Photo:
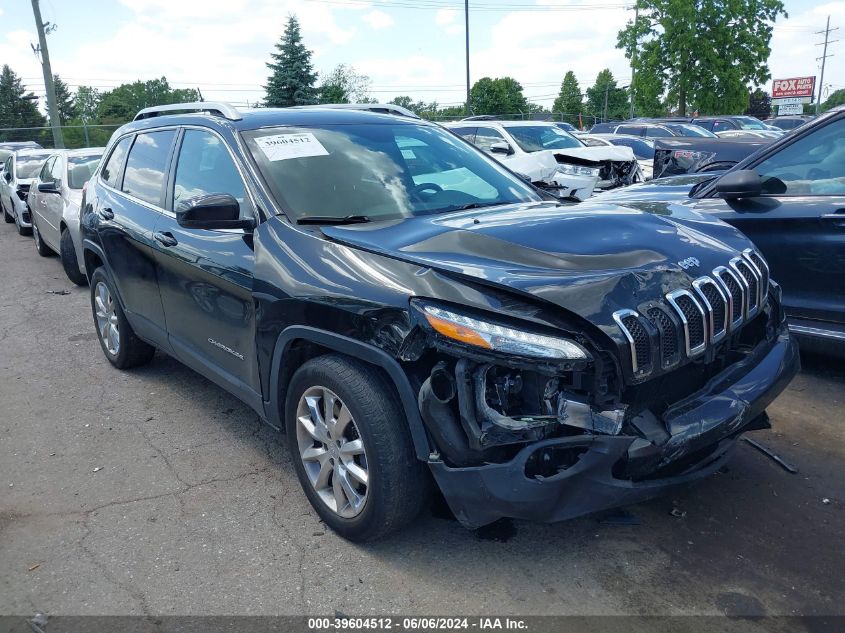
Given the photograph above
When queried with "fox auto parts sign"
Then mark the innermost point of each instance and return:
(794, 87)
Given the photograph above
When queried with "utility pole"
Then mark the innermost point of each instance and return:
(824, 57)
(52, 108)
(634, 54)
(466, 28)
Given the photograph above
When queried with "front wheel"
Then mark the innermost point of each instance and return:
(6, 215)
(120, 344)
(40, 246)
(69, 261)
(352, 450)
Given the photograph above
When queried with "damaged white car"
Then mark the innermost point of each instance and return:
(551, 158)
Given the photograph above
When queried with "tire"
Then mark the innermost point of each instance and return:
(397, 485)
(69, 261)
(40, 246)
(6, 216)
(130, 351)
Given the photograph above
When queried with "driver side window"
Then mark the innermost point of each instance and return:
(44, 175)
(486, 137)
(811, 166)
(205, 166)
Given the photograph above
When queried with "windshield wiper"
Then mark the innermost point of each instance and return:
(328, 219)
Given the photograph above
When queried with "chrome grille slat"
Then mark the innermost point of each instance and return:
(669, 347)
(749, 278)
(692, 317)
(735, 291)
(626, 319)
(758, 264)
(715, 303)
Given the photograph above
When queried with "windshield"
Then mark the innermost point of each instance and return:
(379, 171)
(684, 129)
(643, 150)
(535, 138)
(750, 123)
(28, 166)
(80, 169)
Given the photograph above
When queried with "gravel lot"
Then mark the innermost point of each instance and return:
(155, 492)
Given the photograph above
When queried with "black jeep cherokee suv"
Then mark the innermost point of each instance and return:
(408, 310)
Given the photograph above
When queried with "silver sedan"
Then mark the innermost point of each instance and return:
(54, 199)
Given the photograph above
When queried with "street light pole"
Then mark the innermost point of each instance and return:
(466, 28)
(52, 108)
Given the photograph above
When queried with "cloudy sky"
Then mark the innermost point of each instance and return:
(413, 47)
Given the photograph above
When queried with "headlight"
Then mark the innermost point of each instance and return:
(578, 170)
(500, 338)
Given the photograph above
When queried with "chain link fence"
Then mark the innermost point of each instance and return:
(74, 136)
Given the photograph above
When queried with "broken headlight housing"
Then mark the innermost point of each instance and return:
(497, 337)
(578, 170)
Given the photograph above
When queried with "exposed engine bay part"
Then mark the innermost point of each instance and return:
(474, 410)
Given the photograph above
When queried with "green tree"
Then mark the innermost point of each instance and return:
(18, 109)
(568, 102)
(501, 96)
(703, 52)
(345, 85)
(64, 100)
(292, 80)
(835, 98)
(605, 100)
(759, 104)
(87, 102)
(122, 103)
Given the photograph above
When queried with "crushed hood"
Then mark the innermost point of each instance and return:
(598, 154)
(591, 258)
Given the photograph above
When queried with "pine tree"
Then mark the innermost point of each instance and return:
(18, 109)
(64, 100)
(605, 100)
(293, 78)
(568, 101)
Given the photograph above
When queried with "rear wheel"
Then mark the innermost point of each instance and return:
(119, 342)
(352, 450)
(40, 246)
(69, 261)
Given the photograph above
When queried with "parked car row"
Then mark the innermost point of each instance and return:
(412, 313)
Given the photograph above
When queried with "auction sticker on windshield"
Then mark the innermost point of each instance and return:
(285, 146)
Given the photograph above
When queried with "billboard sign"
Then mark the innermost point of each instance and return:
(793, 87)
(796, 108)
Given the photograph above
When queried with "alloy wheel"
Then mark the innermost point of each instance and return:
(332, 451)
(106, 314)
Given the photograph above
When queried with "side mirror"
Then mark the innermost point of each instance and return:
(744, 183)
(48, 187)
(501, 148)
(212, 211)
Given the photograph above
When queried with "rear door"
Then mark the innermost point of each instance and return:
(205, 276)
(799, 222)
(132, 200)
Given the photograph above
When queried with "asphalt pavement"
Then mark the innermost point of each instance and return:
(155, 492)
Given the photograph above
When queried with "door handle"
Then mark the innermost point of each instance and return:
(106, 213)
(165, 239)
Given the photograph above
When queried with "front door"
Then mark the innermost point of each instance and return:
(205, 276)
(799, 221)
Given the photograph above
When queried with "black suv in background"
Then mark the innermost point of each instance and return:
(404, 307)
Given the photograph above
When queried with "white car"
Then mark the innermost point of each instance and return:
(643, 148)
(19, 170)
(54, 199)
(551, 158)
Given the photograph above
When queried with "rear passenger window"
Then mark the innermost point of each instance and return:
(147, 165)
(112, 167)
(205, 166)
(636, 130)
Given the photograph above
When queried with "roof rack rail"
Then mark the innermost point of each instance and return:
(212, 107)
(481, 117)
(381, 108)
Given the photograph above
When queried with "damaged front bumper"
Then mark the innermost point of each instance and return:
(565, 477)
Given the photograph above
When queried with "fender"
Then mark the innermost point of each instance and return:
(361, 351)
